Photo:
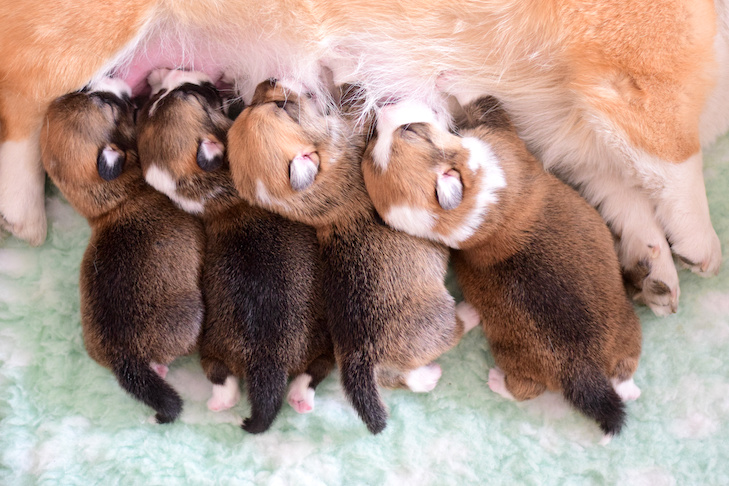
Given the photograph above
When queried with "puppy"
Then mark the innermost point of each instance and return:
(390, 315)
(531, 255)
(141, 304)
(261, 278)
(614, 97)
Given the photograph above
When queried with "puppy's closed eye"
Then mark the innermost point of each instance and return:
(449, 189)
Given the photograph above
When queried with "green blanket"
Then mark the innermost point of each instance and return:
(64, 419)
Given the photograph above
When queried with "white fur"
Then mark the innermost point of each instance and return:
(423, 379)
(468, 315)
(391, 118)
(111, 85)
(22, 197)
(627, 389)
(268, 200)
(225, 396)
(301, 396)
(497, 383)
(164, 183)
(302, 171)
(414, 221)
(169, 79)
(715, 118)
(483, 162)
(449, 190)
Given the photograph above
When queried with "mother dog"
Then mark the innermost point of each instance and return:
(616, 97)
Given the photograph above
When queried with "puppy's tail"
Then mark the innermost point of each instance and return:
(140, 381)
(587, 388)
(360, 385)
(266, 387)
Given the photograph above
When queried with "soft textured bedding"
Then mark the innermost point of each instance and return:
(64, 419)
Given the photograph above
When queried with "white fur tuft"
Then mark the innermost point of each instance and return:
(164, 183)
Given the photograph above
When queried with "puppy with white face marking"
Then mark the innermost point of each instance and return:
(390, 315)
(531, 255)
(141, 304)
(261, 276)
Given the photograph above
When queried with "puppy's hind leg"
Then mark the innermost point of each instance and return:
(226, 391)
(513, 387)
(302, 388)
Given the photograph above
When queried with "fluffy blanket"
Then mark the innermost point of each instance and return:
(64, 419)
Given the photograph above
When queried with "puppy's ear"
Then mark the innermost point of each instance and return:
(449, 189)
(110, 162)
(210, 153)
(303, 170)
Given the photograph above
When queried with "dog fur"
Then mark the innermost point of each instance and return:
(390, 315)
(262, 275)
(614, 97)
(141, 304)
(532, 256)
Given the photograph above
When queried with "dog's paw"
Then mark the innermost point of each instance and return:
(701, 254)
(423, 379)
(468, 315)
(497, 383)
(627, 390)
(225, 396)
(301, 396)
(655, 280)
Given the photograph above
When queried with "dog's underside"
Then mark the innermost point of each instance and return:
(616, 98)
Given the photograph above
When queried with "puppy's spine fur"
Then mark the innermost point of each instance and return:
(587, 387)
(360, 385)
(140, 381)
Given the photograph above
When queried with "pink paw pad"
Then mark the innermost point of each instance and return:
(301, 396)
(225, 396)
(497, 383)
(160, 369)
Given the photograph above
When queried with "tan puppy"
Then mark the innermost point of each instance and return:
(141, 304)
(614, 97)
(389, 312)
(262, 276)
(531, 255)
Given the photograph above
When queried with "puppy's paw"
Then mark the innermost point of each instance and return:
(225, 396)
(300, 396)
(423, 379)
(160, 369)
(497, 383)
(627, 390)
(655, 280)
(468, 315)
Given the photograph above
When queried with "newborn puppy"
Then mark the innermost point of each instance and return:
(141, 304)
(389, 312)
(262, 276)
(531, 255)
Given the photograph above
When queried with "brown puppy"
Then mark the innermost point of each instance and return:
(141, 304)
(389, 312)
(262, 276)
(531, 255)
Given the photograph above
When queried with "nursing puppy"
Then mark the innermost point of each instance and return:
(531, 255)
(390, 315)
(141, 304)
(261, 277)
(615, 97)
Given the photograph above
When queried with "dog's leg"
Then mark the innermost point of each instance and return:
(643, 251)
(22, 180)
(682, 209)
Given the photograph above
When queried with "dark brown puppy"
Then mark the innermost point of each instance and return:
(262, 276)
(531, 255)
(141, 304)
(389, 311)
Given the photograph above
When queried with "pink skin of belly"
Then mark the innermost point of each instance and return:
(171, 55)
